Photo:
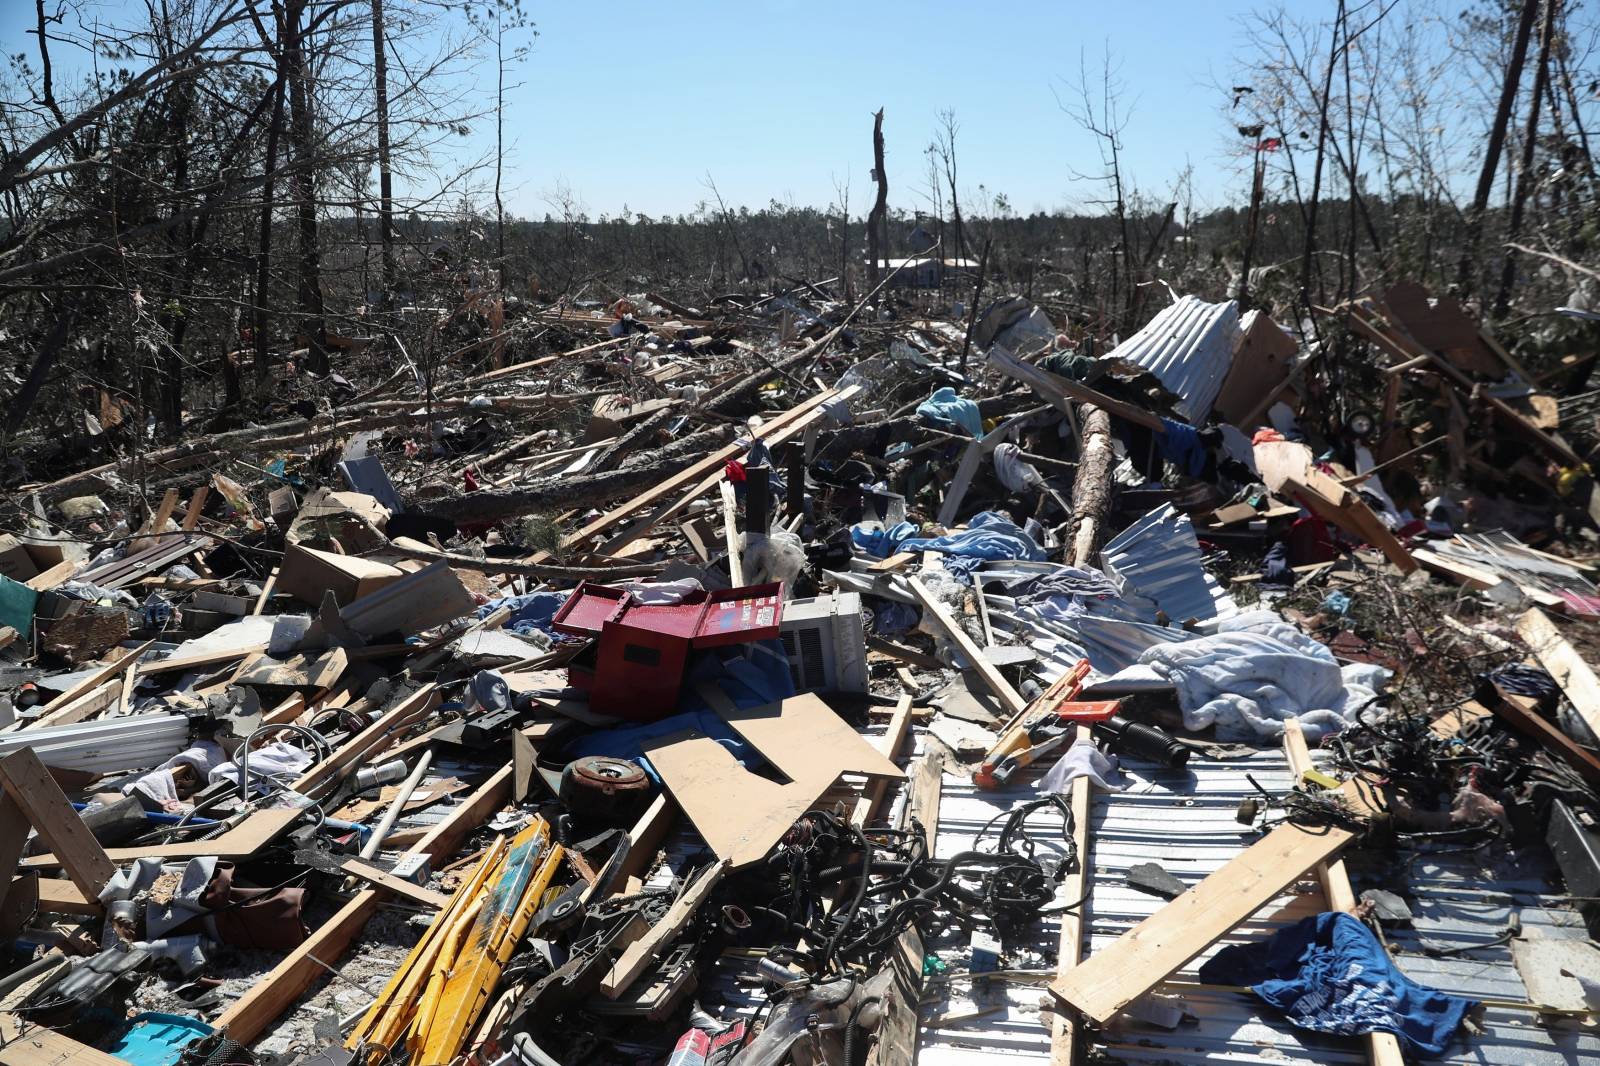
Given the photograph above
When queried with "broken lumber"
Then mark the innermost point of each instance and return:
(1383, 1049)
(650, 947)
(1160, 945)
(1576, 678)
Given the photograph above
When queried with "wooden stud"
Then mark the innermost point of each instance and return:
(28, 782)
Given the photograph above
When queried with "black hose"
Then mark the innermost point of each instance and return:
(850, 1028)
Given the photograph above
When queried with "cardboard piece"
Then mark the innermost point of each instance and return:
(800, 737)
(307, 573)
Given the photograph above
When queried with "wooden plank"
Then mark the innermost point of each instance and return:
(60, 896)
(377, 736)
(397, 885)
(646, 838)
(1518, 712)
(14, 830)
(85, 706)
(977, 661)
(52, 577)
(923, 792)
(28, 782)
(252, 1013)
(893, 562)
(199, 660)
(197, 503)
(901, 1007)
(730, 532)
(956, 491)
(266, 591)
(872, 796)
(803, 417)
(94, 680)
(240, 842)
(650, 947)
(1576, 678)
(711, 466)
(1383, 1049)
(1160, 945)
(1064, 1031)
(46, 1047)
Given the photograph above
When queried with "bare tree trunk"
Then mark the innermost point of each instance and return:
(877, 221)
(1530, 137)
(258, 320)
(303, 134)
(1466, 270)
(1252, 225)
(380, 75)
(1309, 256)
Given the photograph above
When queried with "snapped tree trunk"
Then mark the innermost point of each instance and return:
(263, 283)
(1091, 490)
(877, 221)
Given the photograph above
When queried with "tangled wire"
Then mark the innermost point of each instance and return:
(889, 881)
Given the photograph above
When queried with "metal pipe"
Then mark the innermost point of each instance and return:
(392, 815)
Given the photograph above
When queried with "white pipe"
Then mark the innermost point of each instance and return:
(392, 815)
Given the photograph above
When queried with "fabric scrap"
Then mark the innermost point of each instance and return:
(1329, 974)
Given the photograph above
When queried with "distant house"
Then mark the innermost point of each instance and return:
(926, 272)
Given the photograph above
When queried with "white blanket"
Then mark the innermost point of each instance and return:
(1259, 671)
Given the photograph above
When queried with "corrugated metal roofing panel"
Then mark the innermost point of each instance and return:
(1189, 348)
(1184, 820)
(1158, 556)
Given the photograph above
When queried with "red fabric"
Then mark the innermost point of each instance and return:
(1266, 436)
(735, 471)
(1310, 542)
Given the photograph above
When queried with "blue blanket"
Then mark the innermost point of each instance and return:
(1330, 974)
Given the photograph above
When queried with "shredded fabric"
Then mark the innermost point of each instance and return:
(1328, 973)
(1257, 673)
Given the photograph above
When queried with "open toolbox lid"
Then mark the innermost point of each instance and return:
(731, 616)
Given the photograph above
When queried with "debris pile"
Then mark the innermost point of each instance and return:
(793, 681)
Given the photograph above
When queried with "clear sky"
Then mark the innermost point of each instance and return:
(632, 103)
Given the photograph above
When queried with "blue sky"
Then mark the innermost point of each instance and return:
(629, 103)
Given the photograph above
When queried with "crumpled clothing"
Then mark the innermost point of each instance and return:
(529, 614)
(662, 592)
(879, 541)
(1329, 974)
(946, 406)
(269, 760)
(1258, 672)
(1015, 473)
(1084, 759)
(159, 784)
(1180, 445)
(1525, 680)
(1067, 592)
(988, 536)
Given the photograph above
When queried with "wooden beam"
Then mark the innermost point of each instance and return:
(1160, 945)
(28, 782)
(397, 885)
(1383, 1049)
(46, 1047)
(650, 947)
(872, 796)
(374, 738)
(1518, 712)
(251, 1014)
(730, 532)
(1574, 675)
(1064, 1032)
(94, 680)
(941, 618)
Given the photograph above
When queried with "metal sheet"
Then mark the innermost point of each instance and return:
(1159, 557)
(1189, 348)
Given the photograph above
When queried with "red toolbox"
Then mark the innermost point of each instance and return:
(641, 649)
